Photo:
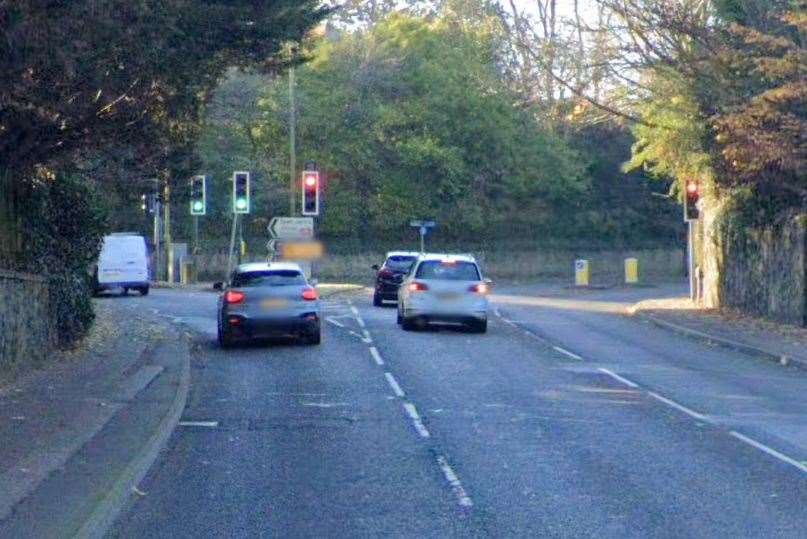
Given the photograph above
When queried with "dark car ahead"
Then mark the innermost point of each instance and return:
(389, 276)
(268, 300)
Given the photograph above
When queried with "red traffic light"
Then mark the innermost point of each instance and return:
(310, 180)
(692, 187)
(692, 195)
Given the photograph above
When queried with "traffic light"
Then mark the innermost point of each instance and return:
(241, 192)
(311, 192)
(148, 203)
(198, 195)
(692, 193)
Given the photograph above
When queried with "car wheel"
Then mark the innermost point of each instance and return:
(377, 301)
(224, 340)
(479, 326)
(314, 338)
(144, 290)
(408, 324)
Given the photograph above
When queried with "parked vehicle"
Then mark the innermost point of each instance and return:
(444, 288)
(389, 276)
(123, 263)
(265, 300)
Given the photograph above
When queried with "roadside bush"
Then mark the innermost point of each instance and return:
(64, 223)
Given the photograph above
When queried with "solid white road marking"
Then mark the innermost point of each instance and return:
(567, 353)
(413, 414)
(394, 384)
(770, 451)
(335, 322)
(208, 424)
(680, 407)
(615, 376)
(376, 355)
(448, 472)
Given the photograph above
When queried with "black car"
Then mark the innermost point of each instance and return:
(389, 276)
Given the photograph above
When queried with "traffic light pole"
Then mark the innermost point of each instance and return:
(232, 248)
(693, 284)
(169, 252)
(292, 138)
(195, 234)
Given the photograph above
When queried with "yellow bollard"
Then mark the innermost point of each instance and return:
(581, 272)
(631, 271)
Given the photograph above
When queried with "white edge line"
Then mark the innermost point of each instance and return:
(615, 376)
(335, 322)
(448, 472)
(209, 424)
(376, 355)
(770, 451)
(396, 388)
(413, 414)
(679, 407)
(567, 353)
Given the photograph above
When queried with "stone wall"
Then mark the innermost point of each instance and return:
(759, 271)
(26, 331)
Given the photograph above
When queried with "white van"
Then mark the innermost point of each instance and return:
(123, 263)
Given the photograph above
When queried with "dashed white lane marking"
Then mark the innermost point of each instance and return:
(367, 338)
(376, 355)
(416, 421)
(394, 384)
(354, 310)
(497, 312)
(360, 320)
(207, 424)
(335, 322)
(615, 376)
(448, 472)
(680, 407)
(772, 452)
(567, 353)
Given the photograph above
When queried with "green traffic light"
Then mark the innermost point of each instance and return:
(198, 206)
(241, 204)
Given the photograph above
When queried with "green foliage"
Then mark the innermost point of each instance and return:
(411, 118)
(65, 222)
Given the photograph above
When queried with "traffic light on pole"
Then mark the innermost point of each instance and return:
(241, 192)
(692, 193)
(198, 195)
(311, 192)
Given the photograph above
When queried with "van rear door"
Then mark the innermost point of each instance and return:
(123, 260)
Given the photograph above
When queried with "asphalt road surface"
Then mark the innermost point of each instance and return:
(566, 419)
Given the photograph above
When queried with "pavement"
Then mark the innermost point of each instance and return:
(779, 342)
(567, 419)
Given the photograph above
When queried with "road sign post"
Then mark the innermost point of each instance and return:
(424, 227)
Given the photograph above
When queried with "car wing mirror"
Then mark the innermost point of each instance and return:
(488, 282)
(375, 267)
(218, 285)
(314, 282)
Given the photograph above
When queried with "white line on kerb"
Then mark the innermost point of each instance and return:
(394, 385)
(680, 407)
(208, 424)
(413, 414)
(615, 376)
(376, 355)
(770, 451)
(567, 353)
(448, 472)
(335, 322)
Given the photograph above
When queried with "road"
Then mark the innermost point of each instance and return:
(566, 419)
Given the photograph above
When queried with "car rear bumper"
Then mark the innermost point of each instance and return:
(122, 284)
(387, 290)
(459, 317)
(256, 328)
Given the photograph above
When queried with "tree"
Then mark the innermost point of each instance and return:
(411, 118)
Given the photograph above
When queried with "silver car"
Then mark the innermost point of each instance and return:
(444, 288)
(268, 300)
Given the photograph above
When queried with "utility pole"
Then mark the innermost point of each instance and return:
(169, 252)
(292, 135)
(157, 217)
